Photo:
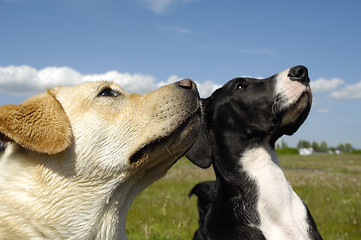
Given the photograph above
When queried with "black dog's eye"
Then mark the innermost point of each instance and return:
(108, 92)
(241, 86)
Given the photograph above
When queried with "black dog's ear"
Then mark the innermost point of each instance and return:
(201, 153)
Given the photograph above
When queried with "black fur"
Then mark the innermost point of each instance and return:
(205, 192)
(241, 115)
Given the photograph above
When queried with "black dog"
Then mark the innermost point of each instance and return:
(205, 191)
(243, 120)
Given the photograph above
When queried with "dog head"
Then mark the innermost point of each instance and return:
(254, 110)
(104, 127)
(78, 156)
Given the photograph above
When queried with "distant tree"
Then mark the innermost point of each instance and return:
(323, 147)
(341, 147)
(348, 147)
(320, 147)
(284, 145)
(316, 146)
(303, 144)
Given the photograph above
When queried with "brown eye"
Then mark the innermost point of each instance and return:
(241, 86)
(108, 92)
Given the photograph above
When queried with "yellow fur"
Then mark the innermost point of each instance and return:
(67, 172)
(39, 124)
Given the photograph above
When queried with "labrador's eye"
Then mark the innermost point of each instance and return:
(108, 92)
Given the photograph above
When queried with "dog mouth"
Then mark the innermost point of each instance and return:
(149, 148)
(296, 109)
(291, 118)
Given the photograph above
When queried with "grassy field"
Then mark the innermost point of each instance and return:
(329, 184)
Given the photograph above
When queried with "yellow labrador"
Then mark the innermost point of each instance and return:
(78, 156)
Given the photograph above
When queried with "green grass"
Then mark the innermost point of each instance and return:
(356, 151)
(164, 211)
(329, 184)
(287, 151)
(331, 187)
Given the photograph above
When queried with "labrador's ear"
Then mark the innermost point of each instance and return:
(201, 152)
(39, 124)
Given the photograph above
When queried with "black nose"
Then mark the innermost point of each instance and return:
(300, 74)
(188, 84)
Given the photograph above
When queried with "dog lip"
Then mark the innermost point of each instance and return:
(283, 110)
(277, 125)
(135, 157)
(305, 94)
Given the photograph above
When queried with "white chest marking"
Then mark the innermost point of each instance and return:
(282, 213)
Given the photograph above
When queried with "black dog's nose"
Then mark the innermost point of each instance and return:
(187, 83)
(300, 74)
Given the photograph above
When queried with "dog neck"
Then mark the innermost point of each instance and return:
(66, 206)
(260, 193)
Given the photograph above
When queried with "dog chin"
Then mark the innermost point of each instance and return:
(296, 114)
(171, 147)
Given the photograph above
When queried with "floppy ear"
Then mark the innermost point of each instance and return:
(201, 152)
(39, 124)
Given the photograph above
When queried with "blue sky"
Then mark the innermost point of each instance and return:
(146, 43)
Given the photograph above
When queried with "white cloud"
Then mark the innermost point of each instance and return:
(333, 87)
(179, 30)
(161, 6)
(19, 80)
(207, 88)
(323, 110)
(325, 85)
(158, 6)
(348, 92)
(27, 81)
(171, 79)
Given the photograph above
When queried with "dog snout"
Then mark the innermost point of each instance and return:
(187, 84)
(300, 74)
